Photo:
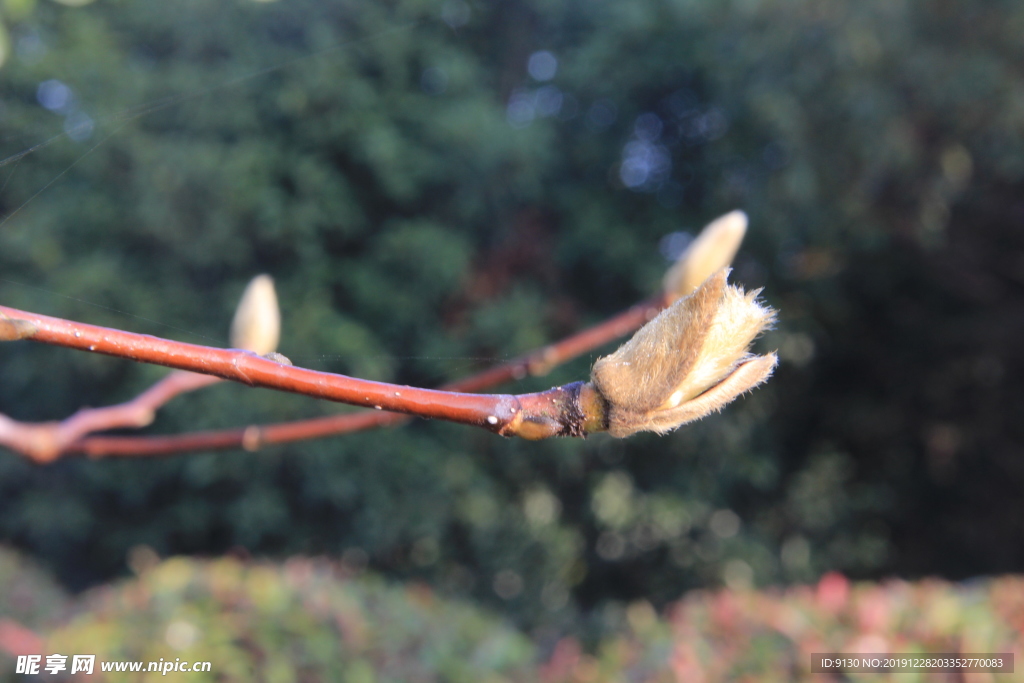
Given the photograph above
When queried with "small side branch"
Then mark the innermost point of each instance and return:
(46, 441)
(501, 414)
(542, 361)
(253, 437)
(572, 410)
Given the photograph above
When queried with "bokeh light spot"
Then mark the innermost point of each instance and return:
(54, 95)
(542, 65)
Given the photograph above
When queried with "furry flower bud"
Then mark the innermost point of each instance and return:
(257, 323)
(713, 249)
(688, 362)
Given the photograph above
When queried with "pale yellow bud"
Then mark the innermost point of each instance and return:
(257, 323)
(713, 249)
(690, 361)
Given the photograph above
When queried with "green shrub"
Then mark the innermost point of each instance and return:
(29, 599)
(310, 620)
(300, 621)
(770, 635)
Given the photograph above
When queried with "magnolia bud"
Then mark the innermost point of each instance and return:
(713, 249)
(257, 323)
(689, 361)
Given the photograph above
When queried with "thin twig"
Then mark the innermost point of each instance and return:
(46, 441)
(542, 361)
(253, 437)
(528, 415)
(713, 249)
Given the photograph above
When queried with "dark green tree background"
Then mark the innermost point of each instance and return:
(429, 203)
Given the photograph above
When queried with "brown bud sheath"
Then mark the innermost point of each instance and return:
(689, 361)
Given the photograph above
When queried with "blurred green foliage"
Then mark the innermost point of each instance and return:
(428, 207)
(31, 602)
(770, 635)
(313, 620)
(294, 623)
(31, 597)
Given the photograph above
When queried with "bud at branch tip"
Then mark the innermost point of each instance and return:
(688, 362)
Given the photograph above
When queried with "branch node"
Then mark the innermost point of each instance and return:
(569, 410)
(13, 329)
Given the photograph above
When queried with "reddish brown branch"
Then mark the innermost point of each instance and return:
(250, 438)
(539, 362)
(46, 441)
(254, 437)
(502, 414)
(712, 250)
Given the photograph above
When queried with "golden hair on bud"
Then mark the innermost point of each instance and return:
(689, 361)
(713, 249)
(257, 323)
